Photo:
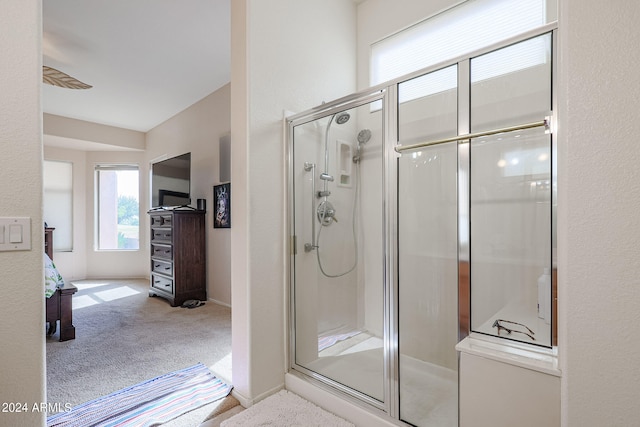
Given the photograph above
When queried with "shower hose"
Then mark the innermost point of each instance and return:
(353, 231)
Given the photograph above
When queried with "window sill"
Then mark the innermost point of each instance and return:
(541, 360)
(117, 250)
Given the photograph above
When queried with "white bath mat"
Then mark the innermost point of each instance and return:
(285, 409)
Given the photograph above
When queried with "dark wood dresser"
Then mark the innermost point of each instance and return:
(59, 305)
(178, 255)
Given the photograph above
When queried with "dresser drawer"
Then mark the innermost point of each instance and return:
(162, 283)
(162, 267)
(161, 234)
(161, 251)
(161, 220)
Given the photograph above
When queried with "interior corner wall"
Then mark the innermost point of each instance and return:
(599, 201)
(22, 353)
(198, 130)
(290, 56)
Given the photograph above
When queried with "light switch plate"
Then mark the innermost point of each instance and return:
(18, 230)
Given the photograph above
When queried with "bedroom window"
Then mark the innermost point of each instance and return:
(117, 207)
(58, 202)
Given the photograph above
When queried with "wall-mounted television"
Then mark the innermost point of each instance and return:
(171, 182)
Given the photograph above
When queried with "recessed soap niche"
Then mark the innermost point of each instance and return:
(345, 161)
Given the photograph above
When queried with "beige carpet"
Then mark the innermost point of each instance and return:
(124, 337)
(228, 407)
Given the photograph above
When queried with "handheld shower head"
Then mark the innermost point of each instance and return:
(364, 136)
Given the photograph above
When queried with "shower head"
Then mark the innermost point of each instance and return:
(364, 136)
(342, 118)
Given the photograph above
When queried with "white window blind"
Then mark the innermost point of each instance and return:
(461, 30)
(58, 202)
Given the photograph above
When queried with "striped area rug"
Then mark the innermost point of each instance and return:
(149, 403)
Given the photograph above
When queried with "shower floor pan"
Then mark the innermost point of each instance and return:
(429, 392)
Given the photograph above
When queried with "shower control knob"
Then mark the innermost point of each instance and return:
(326, 213)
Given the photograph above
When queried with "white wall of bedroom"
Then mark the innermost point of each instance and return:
(197, 130)
(22, 368)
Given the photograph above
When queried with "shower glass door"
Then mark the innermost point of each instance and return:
(427, 251)
(337, 264)
(511, 194)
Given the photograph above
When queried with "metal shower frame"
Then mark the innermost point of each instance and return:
(387, 93)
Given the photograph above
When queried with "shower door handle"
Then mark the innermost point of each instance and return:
(311, 167)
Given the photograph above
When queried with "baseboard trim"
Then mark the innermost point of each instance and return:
(215, 301)
(247, 402)
(244, 401)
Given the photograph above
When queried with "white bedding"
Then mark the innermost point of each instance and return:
(52, 278)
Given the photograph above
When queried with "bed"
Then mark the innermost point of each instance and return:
(58, 296)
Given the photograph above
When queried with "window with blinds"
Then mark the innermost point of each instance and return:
(58, 202)
(468, 27)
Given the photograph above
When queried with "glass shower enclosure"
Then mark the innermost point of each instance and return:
(338, 270)
(374, 259)
(421, 212)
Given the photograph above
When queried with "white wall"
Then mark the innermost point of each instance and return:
(22, 373)
(286, 55)
(198, 130)
(495, 394)
(599, 201)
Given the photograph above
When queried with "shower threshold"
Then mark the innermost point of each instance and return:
(430, 391)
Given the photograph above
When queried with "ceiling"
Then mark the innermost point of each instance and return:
(147, 60)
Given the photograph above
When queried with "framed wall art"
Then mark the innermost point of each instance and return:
(222, 205)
